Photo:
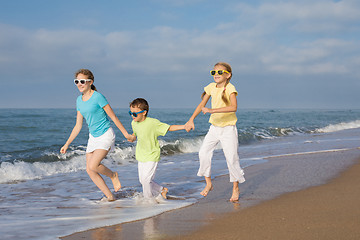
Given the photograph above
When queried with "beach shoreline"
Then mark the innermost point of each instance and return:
(328, 211)
(267, 182)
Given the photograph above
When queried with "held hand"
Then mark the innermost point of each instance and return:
(131, 138)
(189, 125)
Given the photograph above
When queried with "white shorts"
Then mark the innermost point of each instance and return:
(105, 141)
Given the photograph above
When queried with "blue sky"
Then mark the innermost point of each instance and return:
(284, 54)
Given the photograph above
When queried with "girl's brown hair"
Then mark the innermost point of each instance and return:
(227, 68)
(89, 74)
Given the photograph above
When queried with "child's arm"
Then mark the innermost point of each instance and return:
(176, 128)
(190, 124)
(74, 132)
(231, 108)
(110, 112)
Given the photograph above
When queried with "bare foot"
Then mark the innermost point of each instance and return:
(108, 199)
(164, 192)
(111, 199)
(116, 182)
(206, 190)
(235, 195)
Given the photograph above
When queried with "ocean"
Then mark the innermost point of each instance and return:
(46, 195)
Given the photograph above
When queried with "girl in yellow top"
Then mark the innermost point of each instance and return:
(223, 129)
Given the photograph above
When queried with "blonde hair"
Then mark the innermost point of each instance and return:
(227, 68)
(89, 74)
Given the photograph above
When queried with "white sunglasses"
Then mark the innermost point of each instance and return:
(82, 81)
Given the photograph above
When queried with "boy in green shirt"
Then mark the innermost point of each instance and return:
(147, 130)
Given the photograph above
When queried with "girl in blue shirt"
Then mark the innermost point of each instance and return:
(94, 107)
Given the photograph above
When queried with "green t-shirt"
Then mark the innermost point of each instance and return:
(147, 132)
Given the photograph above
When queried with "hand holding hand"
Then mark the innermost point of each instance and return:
(131, 138)
(189, 125)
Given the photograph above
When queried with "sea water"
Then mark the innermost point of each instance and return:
(45, 194)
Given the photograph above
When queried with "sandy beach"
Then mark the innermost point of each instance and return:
(310, 196)
(329, 211)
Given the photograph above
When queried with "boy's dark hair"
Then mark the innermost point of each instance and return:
(140, 103)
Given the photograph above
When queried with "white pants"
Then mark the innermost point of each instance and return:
(228, 137)
(146, 177)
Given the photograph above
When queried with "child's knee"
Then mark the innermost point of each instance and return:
(91, 169)
(145, 181)
(203, 153)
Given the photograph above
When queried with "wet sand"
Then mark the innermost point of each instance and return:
(273, 205)
(329, 211)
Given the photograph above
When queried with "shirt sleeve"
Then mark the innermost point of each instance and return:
(231, 89)
(102, 100)
(77, 103)
(161, 128)
(207, 89)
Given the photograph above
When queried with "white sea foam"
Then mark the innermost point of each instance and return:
(339, 127)
(74, 160)
(191, 145)
(309, 152)
(22, 171)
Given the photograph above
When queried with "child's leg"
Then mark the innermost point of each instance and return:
(94, 168)
(164, 191)
(206, 152)
(156, 188)
(229, 143)
(235, 192)
(205, 156)
(208, 187)
(146, 175)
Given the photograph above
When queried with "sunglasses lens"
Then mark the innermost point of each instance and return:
(132, 114)
(82, 81)
(220, 72)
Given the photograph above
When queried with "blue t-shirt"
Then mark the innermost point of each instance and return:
(94, 114)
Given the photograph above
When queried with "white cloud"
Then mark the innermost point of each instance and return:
(323, 56)
(267, 43)
(250, 42)
(302, 16)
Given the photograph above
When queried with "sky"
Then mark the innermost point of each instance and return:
(284, 54)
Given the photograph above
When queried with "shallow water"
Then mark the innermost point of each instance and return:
(46, 195)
